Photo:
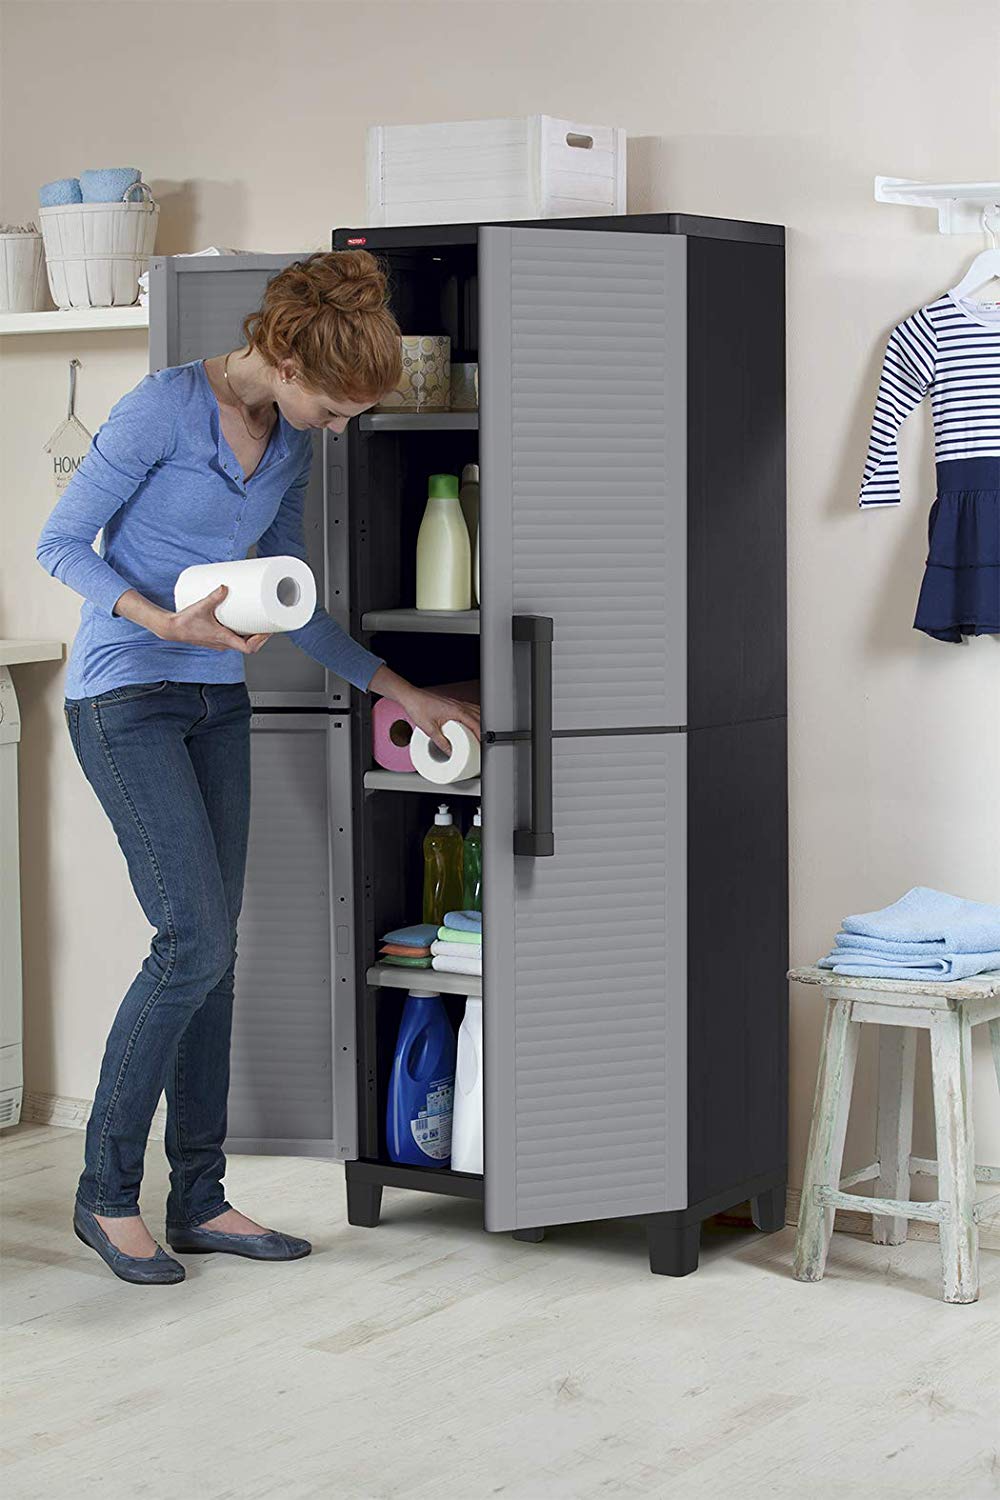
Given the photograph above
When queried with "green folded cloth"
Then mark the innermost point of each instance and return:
(453, 935)
(405, 963)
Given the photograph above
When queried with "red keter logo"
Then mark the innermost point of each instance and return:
(361, 240)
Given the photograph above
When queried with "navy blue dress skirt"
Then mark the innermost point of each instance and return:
(960, 594)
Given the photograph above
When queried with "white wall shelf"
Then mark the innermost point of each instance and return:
(959, 205)
(76, 320)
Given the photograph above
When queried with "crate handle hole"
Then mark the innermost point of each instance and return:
(582, 142)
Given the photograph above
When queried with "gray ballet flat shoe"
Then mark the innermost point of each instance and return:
(142, 1270)
(269, 1246)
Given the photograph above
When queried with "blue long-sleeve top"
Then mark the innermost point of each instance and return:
(162, 482)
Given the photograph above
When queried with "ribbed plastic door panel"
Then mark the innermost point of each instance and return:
(196, 309)
(293, 1086)
(583, 360)
(585, 985)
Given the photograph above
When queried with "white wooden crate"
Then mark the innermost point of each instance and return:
(467, 171)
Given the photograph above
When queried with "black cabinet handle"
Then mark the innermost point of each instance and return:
(539, 839)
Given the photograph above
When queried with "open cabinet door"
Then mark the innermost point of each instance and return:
(583, 533)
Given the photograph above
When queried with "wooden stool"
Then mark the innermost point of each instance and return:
(948, 1012)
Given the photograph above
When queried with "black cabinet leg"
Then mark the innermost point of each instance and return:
(530, 1236)
(364, 1203)
(673, 1246)
(768, 1209)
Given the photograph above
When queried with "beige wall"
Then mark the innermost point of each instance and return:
(249, 122)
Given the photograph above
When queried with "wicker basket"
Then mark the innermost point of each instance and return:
(22, 272)
(96, 252)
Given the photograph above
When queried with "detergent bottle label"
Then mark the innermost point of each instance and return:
(431, 1129)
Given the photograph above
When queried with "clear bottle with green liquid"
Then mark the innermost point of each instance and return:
(472, 868)
(443, 853)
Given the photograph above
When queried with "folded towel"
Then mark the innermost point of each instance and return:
(853, 942)
(459, 935)
(457, 950)
(420, 935)
(936, 968)
(464, 921)
(406, 963)
(445, 964)
(108, 184)
(63, 190)
(402, 951)
(934, 918)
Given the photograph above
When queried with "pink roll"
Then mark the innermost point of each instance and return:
(391, 731)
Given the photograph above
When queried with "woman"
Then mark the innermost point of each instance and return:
(197, 464)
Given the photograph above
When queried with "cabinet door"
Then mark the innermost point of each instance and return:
(293, 1087)
(196, 309)
(585, 985)
(583, 358)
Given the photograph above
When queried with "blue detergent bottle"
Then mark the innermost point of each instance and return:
(422, 1084)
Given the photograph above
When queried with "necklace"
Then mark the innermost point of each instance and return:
(257, 436)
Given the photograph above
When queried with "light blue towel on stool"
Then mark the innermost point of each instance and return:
(941, 922)
(936, 969)
(63, 190)
(108, 184)
(464, 921)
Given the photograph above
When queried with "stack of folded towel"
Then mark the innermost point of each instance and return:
(926, 934)
(458, 947)
(408, 947)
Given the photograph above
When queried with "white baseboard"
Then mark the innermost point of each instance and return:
(72, 1114)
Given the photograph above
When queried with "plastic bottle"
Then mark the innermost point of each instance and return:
(422, 1084)
(444, 554)
(443, 858)
(472, 865)
(469, 498)
(467, 1125)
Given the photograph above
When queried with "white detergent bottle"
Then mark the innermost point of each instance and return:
(467, 1122)
(444, 555)
(469, 497)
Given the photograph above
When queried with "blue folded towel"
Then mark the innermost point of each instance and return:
(63, 190)
(936, 968)
(464, 921)
(420, 935)
(108, 184)
(940, 922)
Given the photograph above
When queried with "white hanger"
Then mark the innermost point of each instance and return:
(986, 266)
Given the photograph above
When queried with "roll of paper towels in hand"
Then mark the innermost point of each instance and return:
(435, 765)
(392, 734)
(266, 594)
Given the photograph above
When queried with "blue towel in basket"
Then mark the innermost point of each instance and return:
(63, 190)
(108, 184)
(938, 922)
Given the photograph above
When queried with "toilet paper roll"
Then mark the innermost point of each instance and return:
(435, 765)
(269, 594)
(392, 731)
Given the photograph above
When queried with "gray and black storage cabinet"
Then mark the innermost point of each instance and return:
(630, 647)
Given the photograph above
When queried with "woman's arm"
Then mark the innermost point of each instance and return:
(324, 640)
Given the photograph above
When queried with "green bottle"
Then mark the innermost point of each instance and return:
(472, 879)
(442, 867)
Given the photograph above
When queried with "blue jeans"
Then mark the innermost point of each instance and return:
(170, 763)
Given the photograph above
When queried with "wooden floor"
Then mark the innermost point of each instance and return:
(426, 1360)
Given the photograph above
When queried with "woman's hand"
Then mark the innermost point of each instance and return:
(195, 626)
(429, 710)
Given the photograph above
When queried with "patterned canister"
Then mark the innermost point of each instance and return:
(425, 384)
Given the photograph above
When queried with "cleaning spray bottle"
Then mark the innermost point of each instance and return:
(442, 867)
(472, 865)
(422, 1084)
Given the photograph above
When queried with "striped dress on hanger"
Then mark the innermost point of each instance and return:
(949, 350)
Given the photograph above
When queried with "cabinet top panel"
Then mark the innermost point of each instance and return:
(401, 237)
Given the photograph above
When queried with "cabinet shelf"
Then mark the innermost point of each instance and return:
(426, 621)
(419, 421)
(76, 320)
(409, 781)
(387, 976)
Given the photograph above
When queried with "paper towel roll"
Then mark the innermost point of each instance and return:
(392, 731)
(434, 765)
(265, 593)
